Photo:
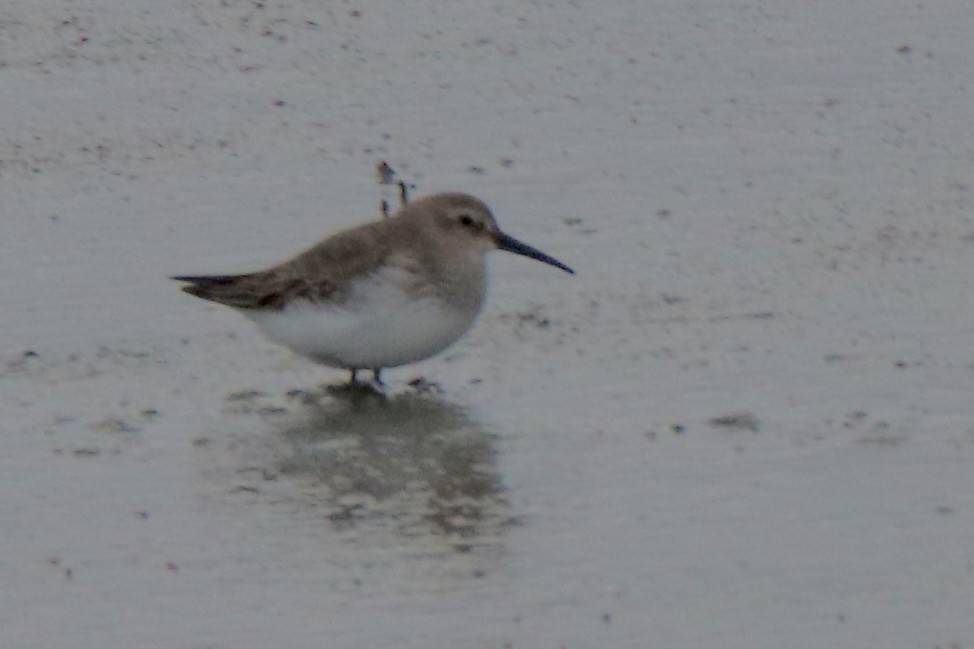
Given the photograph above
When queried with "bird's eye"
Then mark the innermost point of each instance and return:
(466, 220)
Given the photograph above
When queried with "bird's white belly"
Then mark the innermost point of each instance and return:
(367, 333)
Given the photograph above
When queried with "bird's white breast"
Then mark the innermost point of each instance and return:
(385, 322)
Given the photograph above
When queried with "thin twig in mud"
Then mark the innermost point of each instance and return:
(386, 175)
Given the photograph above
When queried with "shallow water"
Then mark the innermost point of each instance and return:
(745, 422)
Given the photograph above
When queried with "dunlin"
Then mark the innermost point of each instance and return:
(379, 295)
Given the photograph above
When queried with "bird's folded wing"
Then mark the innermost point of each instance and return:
(316, 275)
(263, 290)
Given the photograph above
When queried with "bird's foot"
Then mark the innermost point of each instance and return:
(357, 388)
(377, 377)
(422, 386)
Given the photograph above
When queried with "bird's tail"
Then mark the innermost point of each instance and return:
(231, 290)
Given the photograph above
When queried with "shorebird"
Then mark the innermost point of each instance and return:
(379, 295)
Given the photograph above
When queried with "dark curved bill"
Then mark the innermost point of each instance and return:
(510, 244)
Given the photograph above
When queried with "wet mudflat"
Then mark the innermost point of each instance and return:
(745, 422)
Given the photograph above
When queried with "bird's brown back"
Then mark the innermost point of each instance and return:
(318, 274)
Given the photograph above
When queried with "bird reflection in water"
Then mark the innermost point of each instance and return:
(412, 460)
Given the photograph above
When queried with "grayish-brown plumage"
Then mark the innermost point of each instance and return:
(386, 285)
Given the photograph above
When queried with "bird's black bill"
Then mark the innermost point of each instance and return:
(510, 244)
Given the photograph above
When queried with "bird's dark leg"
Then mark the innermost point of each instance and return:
(353, 374)
(377, 376)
